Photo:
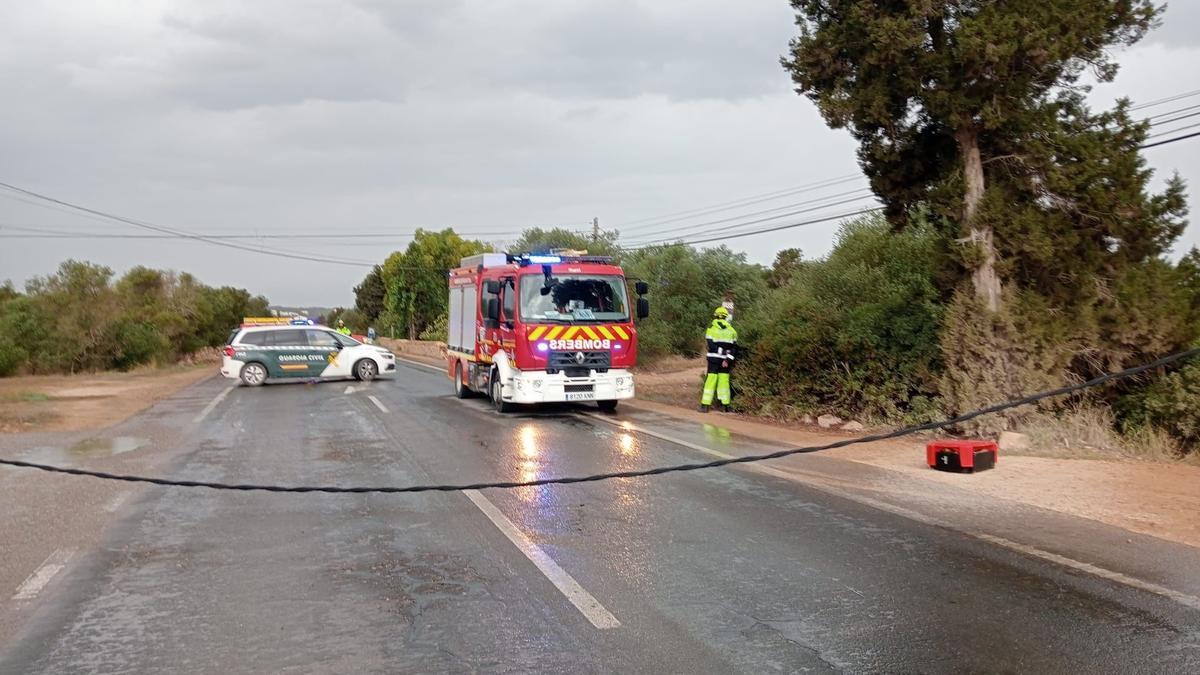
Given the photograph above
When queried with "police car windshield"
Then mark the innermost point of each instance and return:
(574, 298)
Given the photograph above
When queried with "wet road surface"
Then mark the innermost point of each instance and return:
(726, 570)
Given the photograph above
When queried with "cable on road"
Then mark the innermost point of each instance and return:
(641, 473)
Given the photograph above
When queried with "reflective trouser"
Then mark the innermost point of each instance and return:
(716, 383)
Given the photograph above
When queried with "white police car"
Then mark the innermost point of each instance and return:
(258, 352)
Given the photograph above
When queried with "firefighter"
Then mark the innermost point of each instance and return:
(342, 328)
(722, 349)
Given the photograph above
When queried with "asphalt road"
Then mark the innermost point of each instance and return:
(726, 570)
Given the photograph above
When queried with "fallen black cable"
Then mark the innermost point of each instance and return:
(928, 426)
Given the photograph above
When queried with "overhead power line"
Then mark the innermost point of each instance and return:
(38, 233)
(737, 203)
(810, 202)
(1176, 111)
(730, 232)
(1172, 131)
(280, 253)
(1175, 119)
(1170, 140)
(777, 228)
(1168, 99)
(217, 241)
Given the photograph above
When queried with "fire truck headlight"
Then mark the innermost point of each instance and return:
(537, 384)
(624, 382)
(520, 384)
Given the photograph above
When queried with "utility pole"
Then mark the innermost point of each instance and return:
(595, 229)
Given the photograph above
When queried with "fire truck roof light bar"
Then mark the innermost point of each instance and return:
(552, 259)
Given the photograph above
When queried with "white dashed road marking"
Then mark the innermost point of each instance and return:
(1088, 568)
(378, 404)
(35, 582)
(212, 404)
(589, 606)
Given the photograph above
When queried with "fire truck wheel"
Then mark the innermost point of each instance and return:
(502, 406)
(460, 389)
(607, 406)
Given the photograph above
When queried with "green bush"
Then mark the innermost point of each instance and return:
(438, 330)
(855, 334)
(685, 286)
(137, 343)
(12, 357)
(1170, 403)
(79, 319)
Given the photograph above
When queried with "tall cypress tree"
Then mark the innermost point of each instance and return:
(973, 110)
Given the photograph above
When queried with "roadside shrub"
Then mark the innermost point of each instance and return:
(685, 286)
(855, 334)
(437, 331)
(137, 343)
(1170, 403)
(11, 356)
(78, 319)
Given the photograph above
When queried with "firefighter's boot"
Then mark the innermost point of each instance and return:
(703, 408)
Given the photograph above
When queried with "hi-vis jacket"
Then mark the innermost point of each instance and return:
(722, 342)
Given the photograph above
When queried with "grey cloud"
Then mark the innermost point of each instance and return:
(1179, 25)
(374, 115)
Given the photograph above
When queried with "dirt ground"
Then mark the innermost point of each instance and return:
(673, 380)
(91, 401)
(1150, 497)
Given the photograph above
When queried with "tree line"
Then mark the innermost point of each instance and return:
(82, 318)
(1020, 246)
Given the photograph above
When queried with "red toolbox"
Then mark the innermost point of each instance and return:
(961, 456)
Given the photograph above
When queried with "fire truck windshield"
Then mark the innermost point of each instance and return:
(574, 298)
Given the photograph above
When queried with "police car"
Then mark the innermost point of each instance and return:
(276, 349)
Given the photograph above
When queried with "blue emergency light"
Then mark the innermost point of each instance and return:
(543, 259)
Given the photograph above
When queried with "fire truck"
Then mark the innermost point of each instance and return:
(541, 328)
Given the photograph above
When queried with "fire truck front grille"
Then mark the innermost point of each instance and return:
(571, 360)
(578, 388)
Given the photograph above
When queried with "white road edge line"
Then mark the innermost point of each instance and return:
(212, 404)
(35, 582)
(591, 608)
(378, 404)
(423, 365)
(1087, 568)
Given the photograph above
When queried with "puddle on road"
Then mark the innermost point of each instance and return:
(106, 447)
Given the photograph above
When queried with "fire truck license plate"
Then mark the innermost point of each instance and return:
(581, 396)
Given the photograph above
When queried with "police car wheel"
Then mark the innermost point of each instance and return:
(253, 374)
(365, 370)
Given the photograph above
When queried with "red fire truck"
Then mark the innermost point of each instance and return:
(540, 328)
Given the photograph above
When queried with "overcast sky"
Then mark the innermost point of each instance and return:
(359, 116)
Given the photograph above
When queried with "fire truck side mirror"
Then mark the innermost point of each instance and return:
(491, 287)
(641, 287)
(493, 310)
(643, 308)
